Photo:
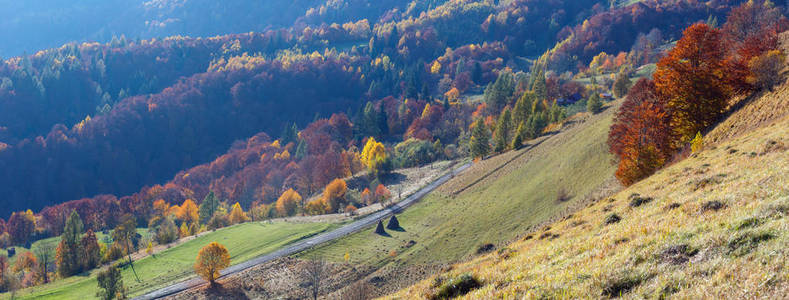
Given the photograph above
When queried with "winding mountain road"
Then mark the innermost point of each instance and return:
(312, 241)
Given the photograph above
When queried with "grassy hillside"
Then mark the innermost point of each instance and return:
(244, 241)
(712, 226)
(495, 201)
(52, 243)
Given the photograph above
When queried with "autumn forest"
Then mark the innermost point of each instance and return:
(182, 127)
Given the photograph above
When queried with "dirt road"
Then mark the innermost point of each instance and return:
(313, 241)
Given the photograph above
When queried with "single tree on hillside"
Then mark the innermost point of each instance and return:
(503, 129)
(212, 259)
(208, 207)
(594, 104)
(44, 252)
(91, 256)
(640, 135)
(288, 203)
(517, 141)
(621, 84)
(479, 144)
(237, 214)
(314, 271)
(111, 284)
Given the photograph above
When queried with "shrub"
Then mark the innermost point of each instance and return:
(621, 284)
(746, 242)
(697, 143)
(636, 200)
(612, 218)
(413, 152)
(457, 286)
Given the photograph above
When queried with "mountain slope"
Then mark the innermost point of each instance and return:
(711, 226)
(495, 201)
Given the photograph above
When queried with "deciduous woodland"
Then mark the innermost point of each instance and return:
(186, 134)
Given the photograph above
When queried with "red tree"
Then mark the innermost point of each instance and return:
(693, 81)
(640, 135)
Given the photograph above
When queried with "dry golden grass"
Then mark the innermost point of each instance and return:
(716, 228)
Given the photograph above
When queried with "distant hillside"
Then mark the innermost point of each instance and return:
(29, 26)
(710, 226)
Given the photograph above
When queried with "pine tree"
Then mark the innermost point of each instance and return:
(503, 128)
(540, 87)
(476, 73)
(479, 143)
(523, 108)
(369, 124)
(498, 94)
(594, 104)
(517, 141)
(289, 134)
(208, 207)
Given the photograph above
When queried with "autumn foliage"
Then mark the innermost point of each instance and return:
(693, 80)
(640, 136)
(288, 202)
(211, 259)
(693, 85)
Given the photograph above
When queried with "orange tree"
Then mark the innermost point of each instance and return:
(640, 135)
(693, 81)
(212, 259)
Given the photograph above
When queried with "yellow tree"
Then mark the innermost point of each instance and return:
(288, 202)
(435, 68)
(334, 194)
(211, 259)
(373, 154)
(188, 213)
(237, 214)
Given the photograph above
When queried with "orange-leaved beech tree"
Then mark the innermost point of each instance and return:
(640, 136)
(288, 203)
(212, 259)
(693, 81)
(188, 212)
(334, 195)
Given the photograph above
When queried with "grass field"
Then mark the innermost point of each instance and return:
(52, 244)
(712, 226)
(492, 202)
(244, 241)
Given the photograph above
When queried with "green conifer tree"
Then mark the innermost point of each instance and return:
(594, 104)
(208, 207)
(503, 129)
(479, 143)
